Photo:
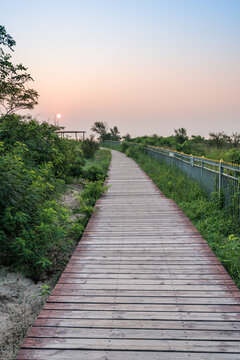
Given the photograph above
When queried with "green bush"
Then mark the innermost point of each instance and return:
(88, 197)
(34, 167)
(103, 158)
(233, 156)
(94, 172)
(43, 145)
(89, 148)
(24, 202)
(92, 192)
(96, 168)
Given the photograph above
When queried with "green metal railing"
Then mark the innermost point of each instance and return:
(213, 175)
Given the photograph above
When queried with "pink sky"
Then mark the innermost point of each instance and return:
(145, 66)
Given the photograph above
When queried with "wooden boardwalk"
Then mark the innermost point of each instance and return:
(141, 285)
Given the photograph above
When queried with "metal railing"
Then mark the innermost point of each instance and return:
(110, 142)
(212, 175)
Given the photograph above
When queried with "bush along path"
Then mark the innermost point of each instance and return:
(221, 230)
(48, 187)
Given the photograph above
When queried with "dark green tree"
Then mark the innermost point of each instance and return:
(6, 39)
(115, 134)
(180, 135)
(235, 139)
(127, 137)
(219, 139)
(100, 128)
(14, 93)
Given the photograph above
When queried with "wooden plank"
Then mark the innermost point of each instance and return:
(134, 315)
(156, 293)
(147, 281)
(102, 333)
(136, 344)
(189, 277)
(68, 296)
(144, 307)
(126, 281)
(44, 354)
(140, 324)
(123, 270)
(216, 287)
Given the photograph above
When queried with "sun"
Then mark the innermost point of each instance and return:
(58, 116)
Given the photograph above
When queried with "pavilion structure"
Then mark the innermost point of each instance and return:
(62, 133)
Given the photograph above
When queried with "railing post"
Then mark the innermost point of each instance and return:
(220, 177)
(192, 160)
(202, 166)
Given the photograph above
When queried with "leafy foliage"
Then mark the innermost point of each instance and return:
(34, 167)
(93, 172)
(89, 148)
(181, 135)
(88, 197)
(14, 94)
(101, 128)
(5, 38)
(96, 168)
(43, 144)
(218, 146)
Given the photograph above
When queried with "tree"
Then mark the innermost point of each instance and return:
(6, 39)
(100, 128)
(219, 139)
(235, 139)
(197, 139)
(115, 134)
(181, 135)
(14, 93)
(127, 137)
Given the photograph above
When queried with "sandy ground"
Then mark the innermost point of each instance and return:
(19, 306)
(69, 199)
(21, 299)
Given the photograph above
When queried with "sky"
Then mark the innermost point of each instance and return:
(146, 66)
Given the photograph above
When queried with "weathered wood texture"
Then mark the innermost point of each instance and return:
(142, 284)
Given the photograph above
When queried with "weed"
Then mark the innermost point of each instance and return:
(45, 290)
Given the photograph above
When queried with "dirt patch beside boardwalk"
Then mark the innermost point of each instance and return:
(20, 298)
(19, 306)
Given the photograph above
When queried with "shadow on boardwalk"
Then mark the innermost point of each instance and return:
(142, 284)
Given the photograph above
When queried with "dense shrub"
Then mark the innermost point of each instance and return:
(94, 172)
(24, 195)
(40, 139)
(89, 148)
(233, 156)
(34, 167)
(28, 244)
(218, 146)
(43, 145)
(96, 168)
